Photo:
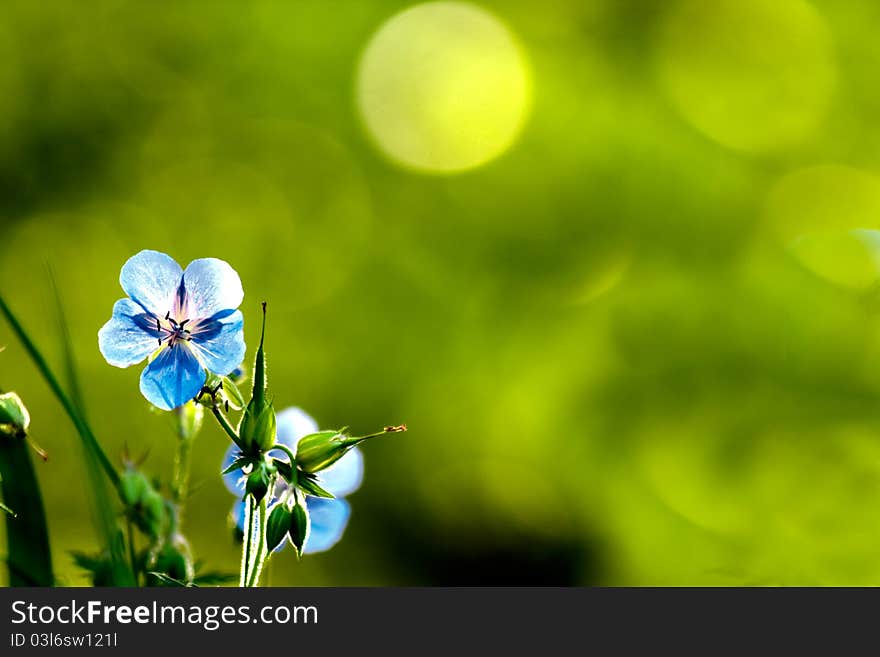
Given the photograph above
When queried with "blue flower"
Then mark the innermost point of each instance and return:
(328, 517)
(185, 321)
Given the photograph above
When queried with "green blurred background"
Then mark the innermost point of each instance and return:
(596, 253)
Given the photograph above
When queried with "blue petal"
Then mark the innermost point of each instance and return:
(345, 476)
(129, 335)
(234, 480)
(173, 378)
(152, 279)
(328, 521)
(294, 423)
(238, 515)
(212, 286)
(219, 343)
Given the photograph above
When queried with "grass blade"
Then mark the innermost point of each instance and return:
(104, 518)
(79, 422)
(28, 558)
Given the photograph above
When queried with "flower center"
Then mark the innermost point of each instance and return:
(172, 331)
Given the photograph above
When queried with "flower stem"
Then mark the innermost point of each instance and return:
(131, 554)
(261, 546)
(224, 423)
(248, 541)
(180, 481)
(287, 450)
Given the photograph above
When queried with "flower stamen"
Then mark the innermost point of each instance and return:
(175, 330)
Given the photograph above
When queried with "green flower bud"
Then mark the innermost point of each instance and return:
(14, 417)
(145, 506)
(173, 560)
(300, 525)
(257, 483)
(258, 426)
(278, 525)
(318, 451)
(133, 485)
(152, 518)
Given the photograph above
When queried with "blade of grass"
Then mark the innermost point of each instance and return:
(79, 422)
(103, 505)
(28, 557)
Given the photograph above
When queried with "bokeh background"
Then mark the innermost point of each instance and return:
(598, 254)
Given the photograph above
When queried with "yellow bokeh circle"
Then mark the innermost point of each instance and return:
(443, 87)
(827, 216)
(753, 75)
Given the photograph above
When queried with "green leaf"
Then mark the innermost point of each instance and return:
(169, 581)
(237, 464)
(309, 483)
(299, 527)
(27, 539)
(285, 470)
(214, 577)
(278, 525)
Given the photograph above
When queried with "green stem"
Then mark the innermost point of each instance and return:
(180, 481)
(132, 554)
(81, 426)
(224, 423)
(248, 540)
(287, 450)
(261, 547)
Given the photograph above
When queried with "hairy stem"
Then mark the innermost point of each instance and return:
(248, 540)
(261, 546)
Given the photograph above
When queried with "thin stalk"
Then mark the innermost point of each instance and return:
(180, 480)
(224, 423)
(248, 541)
(287, 450)
(132, 554)
(261, 547)
(82, 427)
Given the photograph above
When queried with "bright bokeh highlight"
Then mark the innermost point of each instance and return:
(752, 75)
(443, 87)
(823, 214)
